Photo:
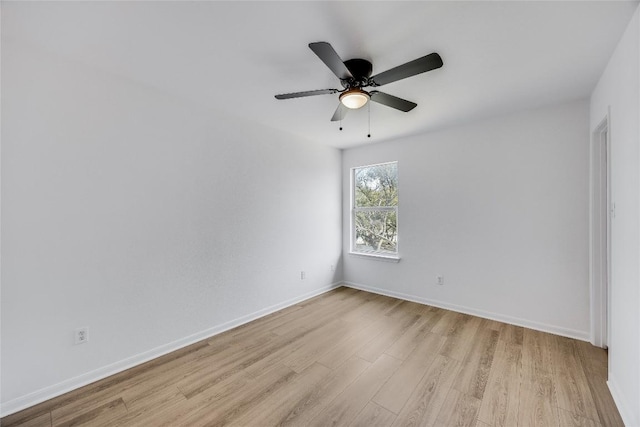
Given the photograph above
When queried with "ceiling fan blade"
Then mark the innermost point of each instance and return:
(340, 113)
(411, 68)
(392, 101)
(307, 93)
(331, 59)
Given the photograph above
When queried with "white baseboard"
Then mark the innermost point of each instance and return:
(557, 330)
(628, 417)
(66, 386)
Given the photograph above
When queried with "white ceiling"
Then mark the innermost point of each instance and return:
(499, 56)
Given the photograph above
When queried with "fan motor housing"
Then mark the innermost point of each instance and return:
(361, 70)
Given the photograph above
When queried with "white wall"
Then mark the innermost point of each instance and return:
(149, 220)
(619, 90)
(500, 209)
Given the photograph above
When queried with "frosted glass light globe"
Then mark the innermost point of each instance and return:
(354, 98)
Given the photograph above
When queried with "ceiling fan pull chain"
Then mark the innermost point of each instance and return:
(340, 123)
(369, 113)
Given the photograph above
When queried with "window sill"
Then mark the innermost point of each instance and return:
(379, 257)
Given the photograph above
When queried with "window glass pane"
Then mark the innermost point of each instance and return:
(376, 185)
(376, 231)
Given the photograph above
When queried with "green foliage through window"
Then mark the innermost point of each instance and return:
(375, 209)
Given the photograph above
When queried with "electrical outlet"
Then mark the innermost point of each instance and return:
(440, 280)
(82, 335)
(332, 267)
(302, 275)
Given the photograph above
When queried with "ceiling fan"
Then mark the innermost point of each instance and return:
(355, 75)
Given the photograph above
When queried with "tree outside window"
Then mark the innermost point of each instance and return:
(375, 209)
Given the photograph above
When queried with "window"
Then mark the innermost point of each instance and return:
(374, 217)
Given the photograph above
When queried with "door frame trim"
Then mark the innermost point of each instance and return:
(600, 231)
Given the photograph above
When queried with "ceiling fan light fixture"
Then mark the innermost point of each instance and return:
(354, 98)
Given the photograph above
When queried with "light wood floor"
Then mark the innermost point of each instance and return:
(352, 358)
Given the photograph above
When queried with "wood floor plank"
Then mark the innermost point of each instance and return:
(149, 399)
(421, 309)
(417, 332)
(308, 405)
(335, 295)
(173, 412)
(395, 392)
(347, 405)
(102, 415)
(536, 401)
(536, 351)
(224, 409)
(235, 361)
(258, 326)
(501, 397)
(460, 337)
(408, 307)
(459, 409)
(230, 386)
(571, 385)
(92, 403)
(107, 389)
(594, 360)
(391, 331)
(156, 406)
(277, 407)
(387, 304)
(449, 323)
(165, 375)
(594, 363)
(568, 419)
(146, 379)
(291, 344)
(374, 416)
(374, 306)
(427, 399)
(344, 349)
(490, 324)
(371, 308)
(306, 355)
(474, 371)
(309, 318)
(418, 365)
(608, 413)
(511, 333)
(26, 416)
(42, 420)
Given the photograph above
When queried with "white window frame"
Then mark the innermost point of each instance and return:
(384, 255)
